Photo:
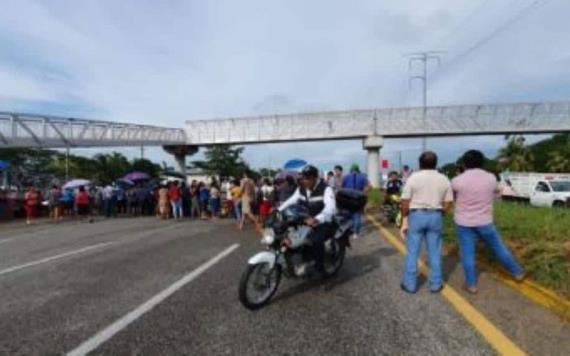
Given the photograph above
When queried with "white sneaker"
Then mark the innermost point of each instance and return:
(355, 236)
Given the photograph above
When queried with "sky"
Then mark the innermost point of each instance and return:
(165, 62)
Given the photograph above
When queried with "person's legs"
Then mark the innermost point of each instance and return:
(434, 242)
(414, 237)
(493, 240)
(466, 236)
(317, 237)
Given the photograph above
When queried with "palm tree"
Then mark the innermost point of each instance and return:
(515, 156)
(558, 162)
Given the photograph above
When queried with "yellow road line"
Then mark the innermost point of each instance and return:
(495, 337)
(535, 292)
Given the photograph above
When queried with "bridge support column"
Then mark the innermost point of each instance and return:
(180, 152)
(372, 145)
(180, 160)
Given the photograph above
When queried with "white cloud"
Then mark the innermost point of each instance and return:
(169, 61)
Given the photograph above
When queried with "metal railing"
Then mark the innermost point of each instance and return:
(462, 120)
(29, 130)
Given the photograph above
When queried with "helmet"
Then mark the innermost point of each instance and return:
(310, 172)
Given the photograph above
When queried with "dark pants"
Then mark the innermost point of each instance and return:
(110, 208)
(318, 236)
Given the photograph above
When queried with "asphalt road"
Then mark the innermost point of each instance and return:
(61, 285)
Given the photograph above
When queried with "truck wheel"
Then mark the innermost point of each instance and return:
(559, 204)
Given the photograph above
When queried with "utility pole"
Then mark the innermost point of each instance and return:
(424, 58)
(67, 163)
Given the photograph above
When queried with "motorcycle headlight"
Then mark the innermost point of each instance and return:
(268, 237)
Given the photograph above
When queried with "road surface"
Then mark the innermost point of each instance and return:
(143, 286)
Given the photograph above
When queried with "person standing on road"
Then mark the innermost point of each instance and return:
(82, 203)
(215, 200)
(175, 197)
(406, 173)
(32, 202)
(53, 198)
(357, 181)
(426, 196)
(475, 191)
(267, 198)
(163, 202)
(236, 199)
(336, 181)
(109, 201)
(247, 199)
(195, 202)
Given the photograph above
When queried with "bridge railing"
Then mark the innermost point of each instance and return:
(25, 130)
(395, 122)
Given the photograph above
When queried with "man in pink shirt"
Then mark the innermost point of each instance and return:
(475, 192)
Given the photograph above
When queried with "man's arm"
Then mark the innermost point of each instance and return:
(327, 214)
(293, 199)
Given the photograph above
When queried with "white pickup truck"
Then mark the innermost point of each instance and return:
(541, 189)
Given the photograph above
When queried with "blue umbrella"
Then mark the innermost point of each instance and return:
(4, 165)
(294, 164)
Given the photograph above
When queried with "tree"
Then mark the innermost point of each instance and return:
(111, 167)
(516, 156)
(223, 161)
(146, 166)
(559, 162)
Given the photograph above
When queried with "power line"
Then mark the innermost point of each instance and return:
(495, 33)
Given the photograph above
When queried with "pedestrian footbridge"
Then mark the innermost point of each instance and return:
(371, 126)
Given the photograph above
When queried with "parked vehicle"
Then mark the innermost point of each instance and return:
(540, 189)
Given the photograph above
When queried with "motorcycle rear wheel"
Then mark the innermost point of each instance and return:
(334, 255)
(260, 279)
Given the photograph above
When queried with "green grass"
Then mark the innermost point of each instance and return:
(539, 237)
(375, 197)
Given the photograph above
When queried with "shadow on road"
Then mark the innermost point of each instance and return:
(354, 267)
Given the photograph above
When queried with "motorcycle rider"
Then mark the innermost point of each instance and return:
(319, 199)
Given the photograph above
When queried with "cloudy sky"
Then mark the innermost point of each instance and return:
(164, 62)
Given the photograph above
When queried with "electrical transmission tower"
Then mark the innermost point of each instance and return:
(424, 58)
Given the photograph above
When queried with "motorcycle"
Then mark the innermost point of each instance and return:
(289, 254)
(392, 210)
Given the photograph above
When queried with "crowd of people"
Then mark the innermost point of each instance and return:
(426, 195)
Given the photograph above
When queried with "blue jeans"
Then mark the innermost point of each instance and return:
(237, 210)
(176, 209)
(490, 236)
(423, 224)
(356, 222)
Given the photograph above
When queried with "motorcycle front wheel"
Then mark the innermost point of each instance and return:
(258, 284)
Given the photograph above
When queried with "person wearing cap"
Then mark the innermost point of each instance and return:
(427, 195)
(357, 181)
(320, 202)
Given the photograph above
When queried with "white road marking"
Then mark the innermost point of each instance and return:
(5, 240)
(56, 257)
(107, 333)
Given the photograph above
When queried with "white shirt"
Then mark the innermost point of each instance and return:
(328, 212)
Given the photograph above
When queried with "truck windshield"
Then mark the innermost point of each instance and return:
(560, 186)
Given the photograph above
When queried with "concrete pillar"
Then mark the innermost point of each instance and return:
(180, 152)
(372, 145)
(180, 163)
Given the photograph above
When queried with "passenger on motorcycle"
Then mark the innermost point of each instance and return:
(393, 187)
(320, 202)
